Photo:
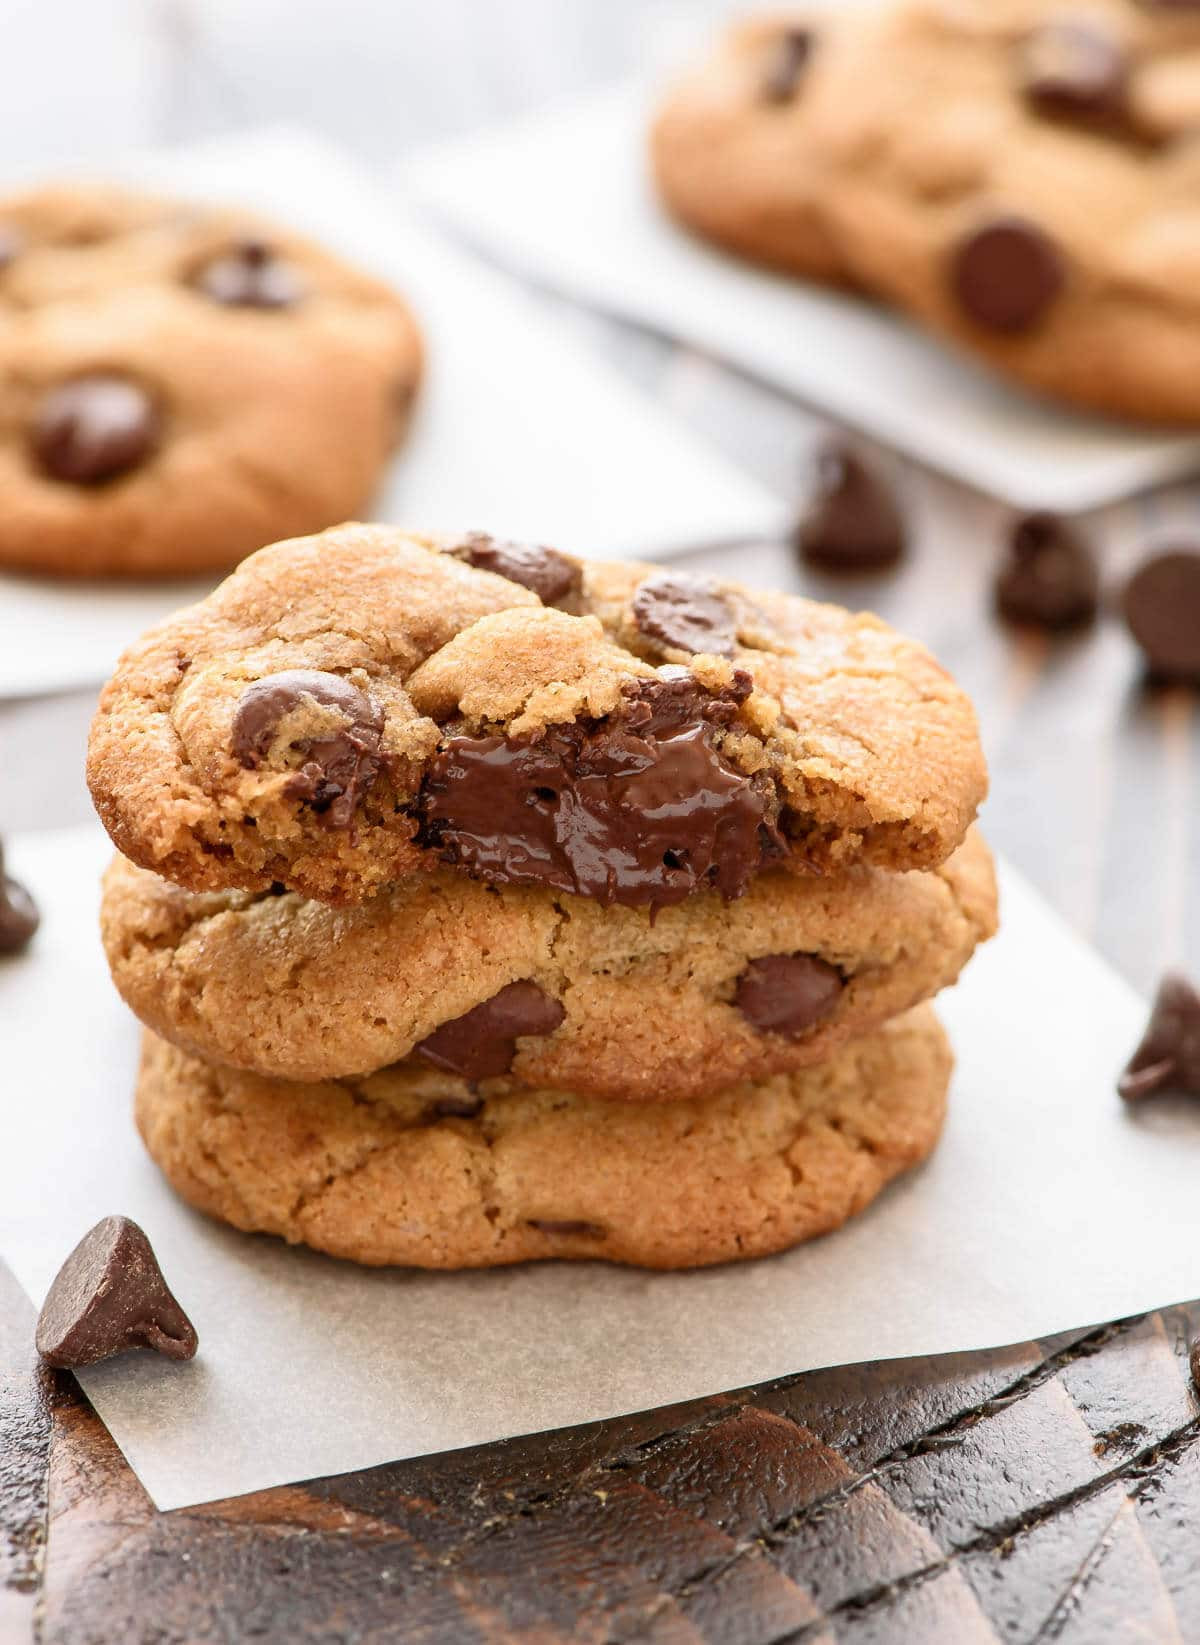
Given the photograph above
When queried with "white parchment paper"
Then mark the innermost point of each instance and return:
(1048, 1206)
(566, 197)
(518, 432)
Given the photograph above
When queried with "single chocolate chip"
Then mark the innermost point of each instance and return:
(1162, 608)
(640, 808)
(1006, 274)
(1074, 70)
(852, 522)
(1168, 1059)
(569, 1230)
(482, 1044)
(787, 60)
(108, 1296)
(788, 993)
(249, 275)
(685, 612)
(19, 918)
(95, 428)
(551, 575)
(338, 765)
(1050, 578)
(455, 1108)
(12, 243)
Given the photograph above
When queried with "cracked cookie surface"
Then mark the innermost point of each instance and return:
(413, 1167)
(1021, 178)
(181, 384)
(707, 994)
(348, 708)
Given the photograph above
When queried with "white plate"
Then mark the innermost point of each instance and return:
(517, 433)
(566, 198)
(1048, 1206)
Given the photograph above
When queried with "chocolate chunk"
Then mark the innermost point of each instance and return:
(641, 808)
(1162, 608)
(108, 1296)
(852, 522)
(338, 765)
(685, 612)
(1073, 69)
(1050, 579)
(1006, 274)
(786, 64)
(1168, 1059)
(19, 918)
(249, 275)
(551, 575)
(787, 993)
(12, 243)
(95, 428)
(573, 1230)
(482, 1044)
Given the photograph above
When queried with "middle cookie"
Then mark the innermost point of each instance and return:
(511, 987)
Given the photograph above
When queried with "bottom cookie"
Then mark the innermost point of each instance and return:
(413, 1167)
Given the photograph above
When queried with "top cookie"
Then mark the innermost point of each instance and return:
(347, 708)
(180, 385)
(1021, 178)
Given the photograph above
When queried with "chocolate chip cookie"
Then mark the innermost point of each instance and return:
(180, 385)
(413, 1166)
(509, 987)
(1019, 175)
(348, 708)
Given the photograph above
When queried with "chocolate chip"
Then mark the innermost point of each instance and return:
(12, 243)
(685, 612)
(1050, 579)
(786, 63)
(337, 765)
(1168, 1059)
(1073, 69)
(641, 808)
(94, 428)
(787, 993)
(569, 1230)
(852, 522)
(482, 1044)
(551, 575)
(1006, 274)
(108, 1296)
(1162, 608)
(19, 918)
(249, 275)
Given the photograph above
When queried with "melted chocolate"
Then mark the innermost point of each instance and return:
(338, 767)
(637, 809)
(551, 575)
(481, 1044)
(787, 993)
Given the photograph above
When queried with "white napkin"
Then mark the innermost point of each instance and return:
(566, 197)
(518, 432)
(1049, 1205)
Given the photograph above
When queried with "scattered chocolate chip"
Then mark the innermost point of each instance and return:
(685, 612)
(110, 1295)
(249, 275)
(455, 1108)
(339, 764)
(19, 918)
(551, 575)
(1006, 274)
(787, 993)
(1073, 69)
(1162, 608)
(1168, 1059)
(12, 243)
(640, 808)
(1050, 579)
(482, 1044)
(569, 1230)
(852, 522)
(95, 428)
(786, 63)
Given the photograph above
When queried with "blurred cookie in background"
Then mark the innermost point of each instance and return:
(180, 385)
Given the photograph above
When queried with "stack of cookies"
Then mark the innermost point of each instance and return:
(485, 905)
